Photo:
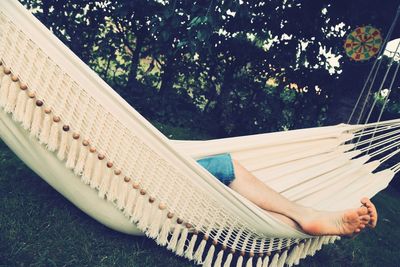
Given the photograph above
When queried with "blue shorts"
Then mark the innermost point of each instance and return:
(220, 166)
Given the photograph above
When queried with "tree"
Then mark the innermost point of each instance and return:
(238, 67)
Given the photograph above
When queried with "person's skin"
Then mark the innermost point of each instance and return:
(310, 221)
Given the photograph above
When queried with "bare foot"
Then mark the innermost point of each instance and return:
(343, 223)
(373, 214)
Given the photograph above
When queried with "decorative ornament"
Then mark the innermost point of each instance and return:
(363, 43)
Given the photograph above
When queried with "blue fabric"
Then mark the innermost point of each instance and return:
(220, 166)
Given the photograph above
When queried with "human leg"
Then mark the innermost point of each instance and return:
(311, 221)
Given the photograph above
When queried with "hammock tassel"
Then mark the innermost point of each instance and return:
(190, 248)
(306, 250)
(266, 261)
(275, 259)
(320, 242)
(282, 259)
(180, 248)
(162, 238)
(218, 260)
(81, 158)
(62, 149)
(137, 210)
(146, 214)
(198, 255)
(291, 256)
(98, 172)
(53, 136)
(249, 262)
(296, 259)
(210, 254)
(12, 95)
(229, 260)
(105, 181)
(5, 87)
(131, 200)
(45, 131)
(37, 119)
(259, 261)
(123, 191)
(302, 249)
(112, 194)
(28, 113)
(314, 246)
(155, 224)
(72, 153)
(239, 262)
(88, 168)
(18, 114)
(174, 238)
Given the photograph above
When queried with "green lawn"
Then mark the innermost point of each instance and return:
(39, 227)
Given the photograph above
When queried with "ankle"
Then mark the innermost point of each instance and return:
(304, 215)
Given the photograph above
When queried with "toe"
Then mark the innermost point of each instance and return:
(362, 211)
(365, 201)
(365, 218)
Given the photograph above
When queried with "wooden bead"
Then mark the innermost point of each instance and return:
(56, 119)
(31, 94)
(162, 206)
(117, 172)
(205, 237)
(23, 86)
(268, 253)
(251, 254)
(242, 253)
(47, 110)
(75, 136)
(170, 215)
(101, 157)
(109, 164)
(142, 192)
(135, 185)
(179, 221)
(126, 179)
(232, 251)
(39, 103)
(152, 199)
(260, 254)
(224, 247)
(65, 128)
(196, 232)
(215, 242)
(7, 70)
(92, 149)
(188, 225)
(14, 78)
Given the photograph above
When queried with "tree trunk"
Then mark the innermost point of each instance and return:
(135, 61)
(221, 98)
(167, 79)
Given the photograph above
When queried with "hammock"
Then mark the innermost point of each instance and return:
(81, 137)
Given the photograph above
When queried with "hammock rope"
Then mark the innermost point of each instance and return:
(374, 71)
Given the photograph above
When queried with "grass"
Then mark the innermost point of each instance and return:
(39, 227)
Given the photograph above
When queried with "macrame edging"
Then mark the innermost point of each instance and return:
(149, 214)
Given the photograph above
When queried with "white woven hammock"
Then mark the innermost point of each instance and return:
(80, 136)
